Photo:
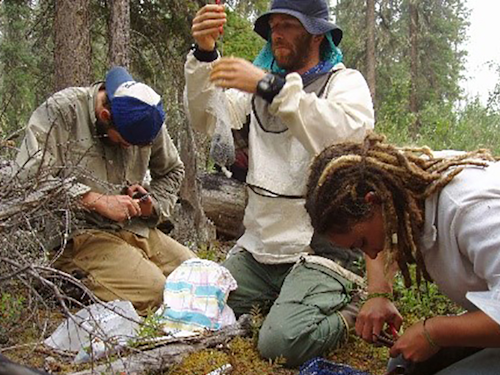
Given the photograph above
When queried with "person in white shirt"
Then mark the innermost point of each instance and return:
(441, 213)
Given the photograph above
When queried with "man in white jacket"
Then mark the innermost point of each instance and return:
(299, 98)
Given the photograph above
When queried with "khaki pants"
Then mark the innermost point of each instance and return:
(121, 265)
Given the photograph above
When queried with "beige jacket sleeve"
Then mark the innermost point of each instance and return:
(345, 112)
(167, 173)
(46, 144)
(199, 93)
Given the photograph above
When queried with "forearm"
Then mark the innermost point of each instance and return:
(379, 276)
(89, 200)
(198, 92)
(474, 329)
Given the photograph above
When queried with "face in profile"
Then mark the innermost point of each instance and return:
(367, 235)
(115, 137)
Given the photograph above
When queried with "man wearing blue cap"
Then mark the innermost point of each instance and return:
(103, 139)
(299, 98)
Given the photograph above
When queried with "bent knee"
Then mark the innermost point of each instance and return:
(150, 298)
(298, 343)
(145, 294)
(277, 344)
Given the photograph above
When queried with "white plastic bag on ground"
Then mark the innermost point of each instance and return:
(96, 330)
(195, 296)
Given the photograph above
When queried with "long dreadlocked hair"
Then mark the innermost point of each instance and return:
(402, 178)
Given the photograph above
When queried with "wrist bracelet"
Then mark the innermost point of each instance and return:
(428, 337)
(387, 295)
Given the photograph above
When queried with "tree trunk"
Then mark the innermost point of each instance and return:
(119, 33)
(370, 47)
(414, 64)
(190, 222)
(72, 55)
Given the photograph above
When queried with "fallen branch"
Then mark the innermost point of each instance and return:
(173, 353)
(224, 201)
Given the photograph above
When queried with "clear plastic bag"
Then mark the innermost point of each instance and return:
(96, 330)
(222, 146)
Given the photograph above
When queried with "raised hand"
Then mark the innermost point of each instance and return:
(207, 26)
(236, 73)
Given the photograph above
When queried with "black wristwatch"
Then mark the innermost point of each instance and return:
(270, 86)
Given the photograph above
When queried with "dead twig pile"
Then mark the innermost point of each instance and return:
(33, 215)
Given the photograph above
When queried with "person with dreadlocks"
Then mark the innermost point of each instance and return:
(298, 98)
(441, 213)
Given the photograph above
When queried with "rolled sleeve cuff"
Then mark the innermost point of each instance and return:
(205, 56)
(77, 189)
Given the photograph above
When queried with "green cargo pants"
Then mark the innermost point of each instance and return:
(303, 301)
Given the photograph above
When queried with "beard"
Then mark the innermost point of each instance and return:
(295, 55)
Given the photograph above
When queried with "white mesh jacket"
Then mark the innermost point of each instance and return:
(283, 139)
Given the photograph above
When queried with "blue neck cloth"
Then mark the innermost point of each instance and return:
(331, 56)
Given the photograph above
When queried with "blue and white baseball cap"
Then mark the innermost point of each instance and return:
(136, 109)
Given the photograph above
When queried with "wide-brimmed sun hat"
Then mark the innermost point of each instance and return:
(312, 14)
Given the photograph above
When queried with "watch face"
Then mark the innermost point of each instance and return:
(264, 85)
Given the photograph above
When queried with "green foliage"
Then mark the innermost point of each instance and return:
(442, 30)
(150, 327)
(201, 363)
(494, 97)
(11, 310)
(248, 9)
(239, 38)
(256, 323)
(10, 307)
(444, 126)
(240, 353)
(17, 65)
(208, 252)
(422, 301)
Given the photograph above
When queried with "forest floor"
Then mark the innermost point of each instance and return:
(240, 352)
